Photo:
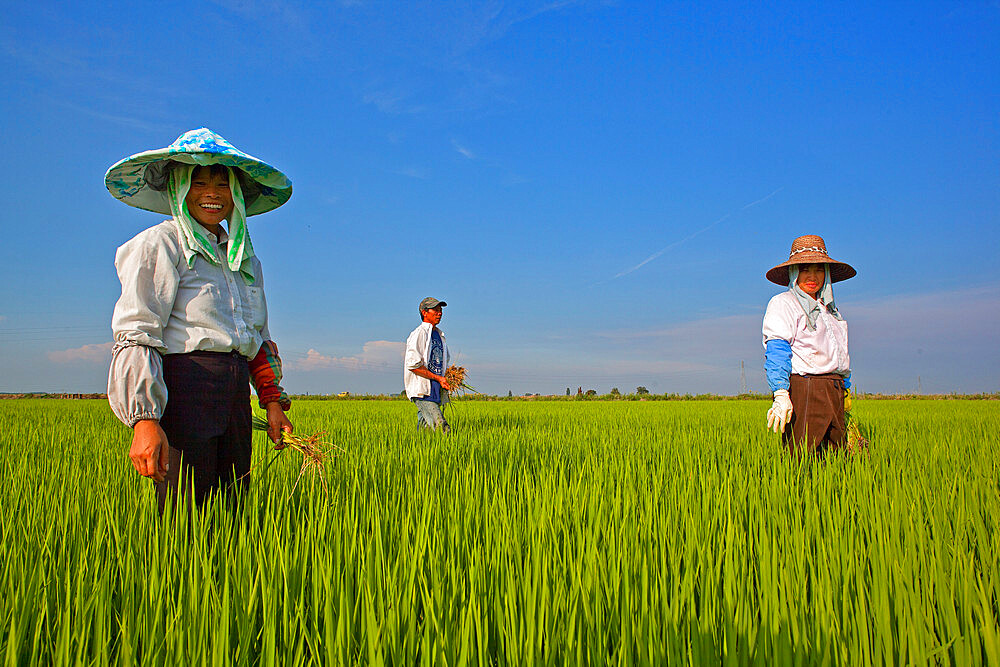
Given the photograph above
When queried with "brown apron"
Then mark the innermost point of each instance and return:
(817, 413)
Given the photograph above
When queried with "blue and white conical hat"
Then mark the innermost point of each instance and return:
(141, 180)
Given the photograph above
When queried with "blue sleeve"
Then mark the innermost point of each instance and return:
(847, 381)
(778, 363)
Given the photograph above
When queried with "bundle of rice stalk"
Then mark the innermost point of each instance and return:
(856, 443)
(455, 377)
(315, 452)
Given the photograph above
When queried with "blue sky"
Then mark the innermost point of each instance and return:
(523, 161)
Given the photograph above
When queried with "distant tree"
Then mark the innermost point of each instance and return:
(641, 391)
(567, 391)
(591, 392)
(510, 394)
(615, 392)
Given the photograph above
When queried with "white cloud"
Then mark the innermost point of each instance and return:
(375, 355)
(947, 339)
(490, 21)
(690, 236)
(971, 314)
(930, 315)
(91, 354)
(718, 342)
(138, 123)
(289, 23)
(111, 96)
(596, 371)
(463, 150)
(441, 70)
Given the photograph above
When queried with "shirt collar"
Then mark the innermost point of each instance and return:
(223, 237)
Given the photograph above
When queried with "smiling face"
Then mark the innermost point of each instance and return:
(811, 278)
(210, 201)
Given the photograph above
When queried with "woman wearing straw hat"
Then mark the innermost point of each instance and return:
(190, 328)
(805, 342)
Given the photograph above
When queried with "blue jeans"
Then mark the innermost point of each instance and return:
(429, 416)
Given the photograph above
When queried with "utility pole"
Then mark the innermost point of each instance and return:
(743, 378)
(920, 387)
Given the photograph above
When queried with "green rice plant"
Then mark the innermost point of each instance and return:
(538, 533)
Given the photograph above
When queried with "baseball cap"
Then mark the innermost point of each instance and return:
(430, 302)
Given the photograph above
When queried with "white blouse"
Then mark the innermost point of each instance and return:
(813, 352)
(167, 307)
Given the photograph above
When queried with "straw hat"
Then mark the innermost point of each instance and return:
(810, 250)
(141, 180)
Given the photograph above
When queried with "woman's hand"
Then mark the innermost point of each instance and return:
(781, 411)
(277, 422)
(150, 450)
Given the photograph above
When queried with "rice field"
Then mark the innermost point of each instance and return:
(564, 533)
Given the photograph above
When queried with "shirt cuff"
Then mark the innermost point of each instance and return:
(136, 389)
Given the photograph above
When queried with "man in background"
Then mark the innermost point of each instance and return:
(424, 365)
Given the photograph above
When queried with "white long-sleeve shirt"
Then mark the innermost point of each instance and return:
(823, 350)
(167, 307)
(418, 351)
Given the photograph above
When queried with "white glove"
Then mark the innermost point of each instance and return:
(780, 412)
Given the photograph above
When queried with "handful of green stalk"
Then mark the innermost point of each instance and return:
(856, 442)
(313, 449)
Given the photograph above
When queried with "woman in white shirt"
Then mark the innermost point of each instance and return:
(805, 349)
(190, 328)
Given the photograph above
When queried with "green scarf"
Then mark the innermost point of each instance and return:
(196, 241)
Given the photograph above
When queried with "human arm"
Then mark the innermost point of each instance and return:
(137, 392)
(136, 389)
(138, 397)
(778, 330)
(147, 270)
(414, 355)
(423, 372)
(778, 367)
(778, 363)
(265, 376)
